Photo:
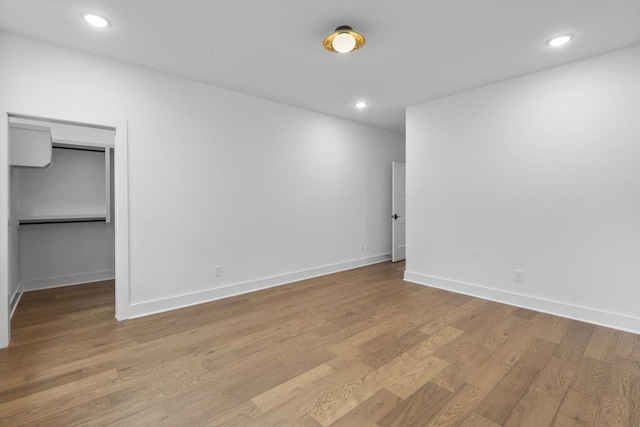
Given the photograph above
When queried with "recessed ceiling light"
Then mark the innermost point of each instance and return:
(95, 20)
(560, 40)
(360, 104)
(343, 40)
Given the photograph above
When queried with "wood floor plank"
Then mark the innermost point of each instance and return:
(539, 405)
(519, 340)
(318, 398)
(628, 346)
(26, 388)
(414, 376)
(289, 389)
(575, 342)
(618, 411)
(43, 404)
(471, 349)
(591, 377)
(151, 416)
(418, 408)
(383, 355)
(475, 420)
(479, 342)
(453, 316)
(501, 399)
(91, 410)
(577, 409)
(381, 342)
(555, 328)
(199, 414)
(357, 348)
(401, 373)
(620, 403)
(481, 315)
(370, 411)
(602, 345)
(238, 416)
(524, 313)
(459, 407)
(539, 354)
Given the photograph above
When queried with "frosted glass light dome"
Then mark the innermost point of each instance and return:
(343, 43)
(343, 40)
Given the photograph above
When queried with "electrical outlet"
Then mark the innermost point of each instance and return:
(361, 247)
(217, 270)
(518, 275)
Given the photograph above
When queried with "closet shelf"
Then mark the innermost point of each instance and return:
(54, 219)
(29, 145)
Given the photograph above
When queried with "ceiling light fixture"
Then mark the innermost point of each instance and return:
(95, 20)
(560, 40)
(343, 40)
(360, 104)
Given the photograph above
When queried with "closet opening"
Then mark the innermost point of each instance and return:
(67, 207)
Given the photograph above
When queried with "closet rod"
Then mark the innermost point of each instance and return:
(61, 221)
(98, 150)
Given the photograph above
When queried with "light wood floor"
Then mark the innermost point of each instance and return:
(357, 348)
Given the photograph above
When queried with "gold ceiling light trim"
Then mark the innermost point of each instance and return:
(343, 40)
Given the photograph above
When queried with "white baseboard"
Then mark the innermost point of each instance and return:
(585, 314)
(180, 301)
(14, 299)
(75, 279)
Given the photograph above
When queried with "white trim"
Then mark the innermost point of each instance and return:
(5, 319)
(74, 279)
(15, 299)
(558, 308)
(186, 300)
(121, 192)
(121, 218)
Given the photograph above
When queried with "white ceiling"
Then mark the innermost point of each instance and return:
(416, 50)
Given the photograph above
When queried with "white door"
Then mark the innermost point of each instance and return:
(399, 221)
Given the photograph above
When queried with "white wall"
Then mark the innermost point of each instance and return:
(73, 185)
(540, 173)
(270, 192)
(54, 255)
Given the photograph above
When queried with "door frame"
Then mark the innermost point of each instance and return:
(394, 222)
(121, 200)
